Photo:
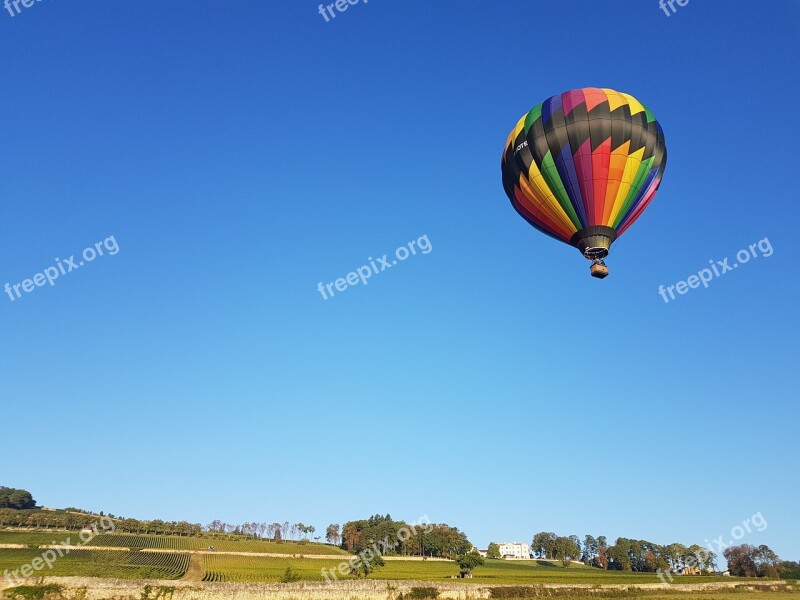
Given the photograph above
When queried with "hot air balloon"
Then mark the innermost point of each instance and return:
(582, 166)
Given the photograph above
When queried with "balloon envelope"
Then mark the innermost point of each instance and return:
(582, 163)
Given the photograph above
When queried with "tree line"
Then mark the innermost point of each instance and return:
(76, 519)
(647, 557)
(625, 554)
(400, 538)
(378, 536)
(751, 561)
(262, 530)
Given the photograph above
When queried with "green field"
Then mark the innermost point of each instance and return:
(271, 569)
(261, 569)
(99, 563)
(214, 566)
(157, 542)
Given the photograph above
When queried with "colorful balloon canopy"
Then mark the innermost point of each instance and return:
(583, 165)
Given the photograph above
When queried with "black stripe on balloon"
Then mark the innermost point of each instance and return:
(537, 142)
(620, 126)
(600, 124)
(556, 132)
(660, 155)
(510, 170)
(651, 139)
(577, 122)
(638, 132)
(522, 156)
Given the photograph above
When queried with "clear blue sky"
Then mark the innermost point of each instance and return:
(242, 152)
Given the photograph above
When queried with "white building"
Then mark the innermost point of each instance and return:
(514, 550)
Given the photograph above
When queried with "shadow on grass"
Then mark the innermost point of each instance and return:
(547, 563)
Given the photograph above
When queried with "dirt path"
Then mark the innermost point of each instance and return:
(195, 572)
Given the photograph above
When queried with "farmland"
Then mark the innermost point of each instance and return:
(228, 568)
(163, 542)
(252, 562)
(244, 568)
(100, 563)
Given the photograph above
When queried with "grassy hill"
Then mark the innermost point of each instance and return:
(162, 542)
(170, 557)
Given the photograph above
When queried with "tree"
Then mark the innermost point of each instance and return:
(566, 549)
(790, 570)
(276, 529)
(543, 544)
(290, 576)
(445, 541)
(601, 562)
(16, 499)
(768, 562)
(741, 560)
(618, 558)
(748, 561)
(702, 558)
(676, 555)
(363, 565)
(589, 550)
(332, 534)
(493, 551)
(353, 536)
(575, 548)
(468, 562)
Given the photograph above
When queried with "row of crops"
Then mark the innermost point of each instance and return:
(148, 541)
(262, 569)
(38, 538)
(99, 563)
(272, 569)
(125, 564)
(166, 542)
(221, 545)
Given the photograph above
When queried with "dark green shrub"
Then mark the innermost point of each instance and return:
(33, 592)
(420, 593)
(290, 576)
(516, 591)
